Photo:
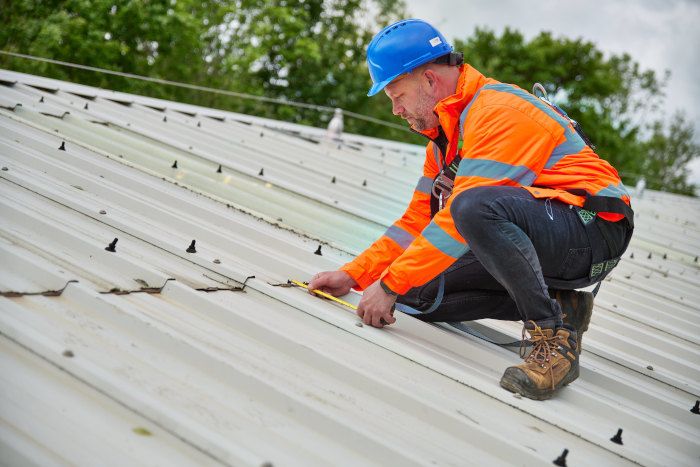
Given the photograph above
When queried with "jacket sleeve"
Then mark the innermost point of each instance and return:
(502, 146)
(369, 265)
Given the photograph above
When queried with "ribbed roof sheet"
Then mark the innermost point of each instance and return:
(153, 355)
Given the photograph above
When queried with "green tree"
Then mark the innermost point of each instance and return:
(159, 38)
(299, 50)
(309, 51)
(667, 154)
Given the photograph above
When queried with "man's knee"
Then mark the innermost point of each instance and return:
(477, 205)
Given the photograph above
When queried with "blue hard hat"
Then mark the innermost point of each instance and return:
(401, 47)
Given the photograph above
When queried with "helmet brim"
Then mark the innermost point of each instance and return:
(377, 87)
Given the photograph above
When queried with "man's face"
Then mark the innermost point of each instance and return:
(412, 99)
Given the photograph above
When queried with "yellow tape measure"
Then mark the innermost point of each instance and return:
(324, 294)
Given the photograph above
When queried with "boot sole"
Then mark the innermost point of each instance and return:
(512, 382)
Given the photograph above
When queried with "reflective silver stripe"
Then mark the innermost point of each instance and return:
(496, 170)
(436, 153)
(443, 241)
(400, 236)
(465, 112)
(425, 184)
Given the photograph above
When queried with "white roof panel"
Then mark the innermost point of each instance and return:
(222, 367)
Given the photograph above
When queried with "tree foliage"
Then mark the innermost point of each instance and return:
(313, 51)
(299, 50)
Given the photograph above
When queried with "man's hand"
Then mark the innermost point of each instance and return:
(376, 307)
(336, 283)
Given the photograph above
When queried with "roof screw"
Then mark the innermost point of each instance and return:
(199, 124)
(262, 134)
(696, 408)
(617, 439)
(174, 166)
(364, 183)
(696, 259)
(62, 147)
(112, 246)
(665, 256)
(561, 460)
(650, 368)
(191, 248)
(86, 106)
(632, 255)
(266, 464)
(358, 324)
(261, 173)
(219, 169)
(217, 261)
(333, 179)
(649, 257)
(318, 251)
(68, 353)
(103, 211)
(165, 118)
(4, 169)
(41, 101)
(190, 148)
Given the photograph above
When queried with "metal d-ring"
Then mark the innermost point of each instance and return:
(538, 87)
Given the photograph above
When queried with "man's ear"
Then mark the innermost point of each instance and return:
(431, 77)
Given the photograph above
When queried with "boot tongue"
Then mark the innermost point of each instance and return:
(536, 331)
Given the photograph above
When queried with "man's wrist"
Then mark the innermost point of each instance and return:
(386, 289)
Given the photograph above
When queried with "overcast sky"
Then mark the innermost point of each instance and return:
(659, 34)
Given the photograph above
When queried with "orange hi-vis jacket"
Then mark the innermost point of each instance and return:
(510, 137)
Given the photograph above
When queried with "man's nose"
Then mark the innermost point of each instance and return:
(396, 109)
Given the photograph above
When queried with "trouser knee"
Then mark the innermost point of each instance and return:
(472, 208)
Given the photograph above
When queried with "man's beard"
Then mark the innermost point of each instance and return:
(424, 107)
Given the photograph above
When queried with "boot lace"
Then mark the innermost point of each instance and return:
(543, 347)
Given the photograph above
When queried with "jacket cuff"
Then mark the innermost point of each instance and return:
(359, 275)
(386, 289)
(394, 283)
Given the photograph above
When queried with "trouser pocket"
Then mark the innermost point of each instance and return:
(576, 264)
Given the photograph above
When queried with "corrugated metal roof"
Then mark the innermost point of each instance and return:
(151, 354)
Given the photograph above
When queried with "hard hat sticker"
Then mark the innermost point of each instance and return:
(435, 41)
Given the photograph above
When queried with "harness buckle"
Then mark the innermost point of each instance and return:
(442, 188)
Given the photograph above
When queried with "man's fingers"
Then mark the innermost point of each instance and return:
(378, 321)
(389, 319)
(317, 282)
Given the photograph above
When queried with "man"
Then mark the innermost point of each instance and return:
(513, 206)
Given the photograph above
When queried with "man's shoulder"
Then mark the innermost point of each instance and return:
(507, 104)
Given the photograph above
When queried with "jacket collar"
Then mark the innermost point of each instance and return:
(449, 109)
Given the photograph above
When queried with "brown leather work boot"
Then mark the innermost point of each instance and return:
(577, 308)
(552, 363)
